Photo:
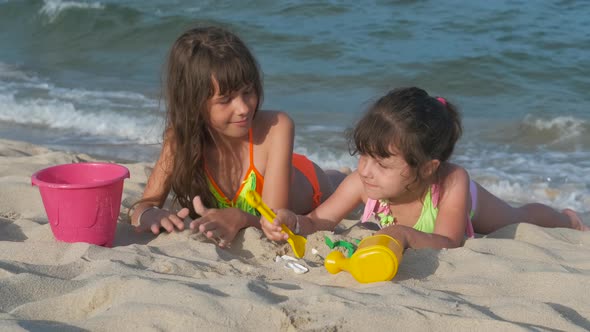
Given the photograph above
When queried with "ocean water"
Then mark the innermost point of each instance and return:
(84, 76)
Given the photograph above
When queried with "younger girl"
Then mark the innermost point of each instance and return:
(409, 187)
(218, 145)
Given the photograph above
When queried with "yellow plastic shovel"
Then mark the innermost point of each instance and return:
(297, 242)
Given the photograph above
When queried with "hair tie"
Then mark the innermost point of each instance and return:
(442, 100)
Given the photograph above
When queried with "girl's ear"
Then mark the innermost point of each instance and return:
(430, 168)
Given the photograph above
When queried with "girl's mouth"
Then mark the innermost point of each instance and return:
(241, 123)
(369, 185)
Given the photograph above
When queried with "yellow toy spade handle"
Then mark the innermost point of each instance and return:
(255, 200)
(297, 242)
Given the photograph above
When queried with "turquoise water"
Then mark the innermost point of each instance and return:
(84, 76)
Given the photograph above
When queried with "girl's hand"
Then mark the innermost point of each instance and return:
(273, 230)
(154, 219)
(220, 225)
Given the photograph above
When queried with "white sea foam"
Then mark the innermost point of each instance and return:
(574, 196)
(564, 127)
(555, 178)
(53, 8)
(62, 115)
(124, 99)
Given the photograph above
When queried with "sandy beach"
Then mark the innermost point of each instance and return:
(522, 277)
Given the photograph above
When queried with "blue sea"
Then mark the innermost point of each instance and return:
(84, 76)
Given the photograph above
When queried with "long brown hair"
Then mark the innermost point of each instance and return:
(422, 127)
(197, 57)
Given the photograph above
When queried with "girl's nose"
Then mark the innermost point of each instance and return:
(363, 167)
(241, 105)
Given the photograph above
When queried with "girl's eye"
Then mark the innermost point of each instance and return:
(387, 165)
(224, 100)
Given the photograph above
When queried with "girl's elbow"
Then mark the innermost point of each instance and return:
(454, 243)
(441, 241)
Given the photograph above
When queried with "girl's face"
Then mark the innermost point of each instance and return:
(386, 178)
(231, 115)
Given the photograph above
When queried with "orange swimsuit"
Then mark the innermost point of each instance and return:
(255, 181)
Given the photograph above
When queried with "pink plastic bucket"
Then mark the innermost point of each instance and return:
(82, 200)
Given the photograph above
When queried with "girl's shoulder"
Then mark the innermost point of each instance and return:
(451, 170)
(453, 177)
(268, 125)
(266, 118)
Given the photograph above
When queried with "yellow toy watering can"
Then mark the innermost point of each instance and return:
(376, 259)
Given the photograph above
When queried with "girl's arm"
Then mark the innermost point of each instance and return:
(451, 221)
(156, 191)
(277, 175)
(412, 238)
(158, 184)
(346, 198)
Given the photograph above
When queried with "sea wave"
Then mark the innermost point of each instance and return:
(535, 131)
(61, 115)
(556, 129)
(27, 99)
(53, 8)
